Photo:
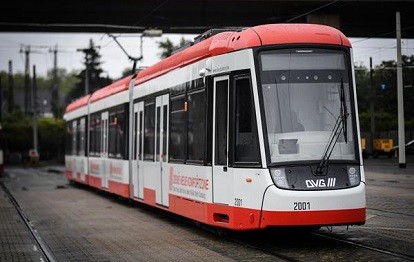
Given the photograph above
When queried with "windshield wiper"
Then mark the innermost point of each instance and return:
(344, 111)
(340, 125)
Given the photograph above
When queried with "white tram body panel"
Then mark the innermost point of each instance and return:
(300, 208)
(76, 165)
(191, 183)
(106, 173)
(188, 181)
(96, 171)
(288, 185)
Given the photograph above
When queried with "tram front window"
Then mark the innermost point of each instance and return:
(301, 91)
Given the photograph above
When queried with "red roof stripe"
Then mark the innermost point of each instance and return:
(78, 103)
(111, 89)
(225, 42)
(300, 33)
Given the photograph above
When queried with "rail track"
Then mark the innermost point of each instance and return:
(286, 244)
(312, 245)
(40, 244)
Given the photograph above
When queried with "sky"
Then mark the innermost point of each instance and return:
(114, 60)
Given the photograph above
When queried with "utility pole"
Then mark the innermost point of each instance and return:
(55, 86)
(34, 155)
(26, 49)
(1, 119)
(26, 52)
(10, 94)
(88, 53)
(372, 106)
(1, 128)
(400, 97)
(1, 103)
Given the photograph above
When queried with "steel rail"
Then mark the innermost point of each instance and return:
(43, 247)
(383, 251)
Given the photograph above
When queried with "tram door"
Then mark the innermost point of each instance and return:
(139, 154)
(104, 149)
(74, 149)
(82, 149)
(222, 174)
(161, 142)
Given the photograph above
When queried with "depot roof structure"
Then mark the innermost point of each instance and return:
(355, 18)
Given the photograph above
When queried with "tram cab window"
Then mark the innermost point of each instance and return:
(305, 93)
(246, 141)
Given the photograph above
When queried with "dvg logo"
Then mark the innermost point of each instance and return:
(310, 183)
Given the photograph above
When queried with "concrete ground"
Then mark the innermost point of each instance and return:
(76, 223)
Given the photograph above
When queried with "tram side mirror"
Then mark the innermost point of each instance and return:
(203, 72)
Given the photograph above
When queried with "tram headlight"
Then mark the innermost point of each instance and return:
(354, 175)
(279, 177)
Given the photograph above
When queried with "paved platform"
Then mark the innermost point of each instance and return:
(80, 224)
(16, 240)
(390, 207)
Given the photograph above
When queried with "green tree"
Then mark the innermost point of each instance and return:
(17, 136)
(51, 138)
(67, 82)
(16, 132)
(93, 71)
(168, 48)
(127, 71)
(383, 90)
(362, 79)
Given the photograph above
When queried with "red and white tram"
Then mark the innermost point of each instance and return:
(244, 130)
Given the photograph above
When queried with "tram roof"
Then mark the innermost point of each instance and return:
(225, 42)
(111, 89)
(262, 35)
(78, 103)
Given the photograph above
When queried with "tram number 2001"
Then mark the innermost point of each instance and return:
(301, 206)
(238, 202)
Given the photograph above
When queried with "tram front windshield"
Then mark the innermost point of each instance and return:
(306, 93)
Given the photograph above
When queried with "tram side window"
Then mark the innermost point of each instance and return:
(135, 137)
(92, 127)
(95, 135)
(116, 134)
(149, 131)
(74, 138)
(78, 138)
(246, 144)
(158, 125)
(164, 132)
(177, 129)
(68, 145)
(221, 107)
(196, 126)
(81, 142)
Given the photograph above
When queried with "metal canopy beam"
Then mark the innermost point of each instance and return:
(363, 18)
